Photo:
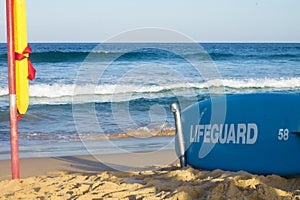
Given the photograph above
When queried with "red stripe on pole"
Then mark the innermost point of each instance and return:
(12, 90)
(10, 45)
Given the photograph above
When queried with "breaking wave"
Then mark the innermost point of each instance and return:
(65, 93)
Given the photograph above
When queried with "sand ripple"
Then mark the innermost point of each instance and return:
(157, 183)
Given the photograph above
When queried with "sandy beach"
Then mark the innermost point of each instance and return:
(85, 177)
(86, 89)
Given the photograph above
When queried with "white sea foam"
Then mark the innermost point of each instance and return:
(57, 90)
(65, 93)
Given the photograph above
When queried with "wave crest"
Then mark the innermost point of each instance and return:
(66, 93)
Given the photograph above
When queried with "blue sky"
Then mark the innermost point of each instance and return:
(202, 20)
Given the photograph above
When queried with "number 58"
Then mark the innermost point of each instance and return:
(283, 134)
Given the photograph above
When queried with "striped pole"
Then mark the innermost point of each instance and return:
(12, 90)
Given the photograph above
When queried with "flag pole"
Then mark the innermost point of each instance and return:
(12, 90)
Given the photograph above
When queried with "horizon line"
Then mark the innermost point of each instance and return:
(201, 42)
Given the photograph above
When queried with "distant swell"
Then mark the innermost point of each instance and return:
(229, 56)
(80, 56)
(58, 56)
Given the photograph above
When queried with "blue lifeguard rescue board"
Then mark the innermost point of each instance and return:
(258, 133)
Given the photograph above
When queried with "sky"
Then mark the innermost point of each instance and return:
(201, 20)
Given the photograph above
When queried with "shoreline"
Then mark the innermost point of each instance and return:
(87, 147)
(88, 163)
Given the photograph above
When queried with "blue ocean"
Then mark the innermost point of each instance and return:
(84, 92)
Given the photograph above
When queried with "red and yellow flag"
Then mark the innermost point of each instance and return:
(24, 68)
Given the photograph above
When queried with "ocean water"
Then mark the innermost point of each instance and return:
(84, 91)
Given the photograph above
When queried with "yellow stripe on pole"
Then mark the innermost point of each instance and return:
(20, 29)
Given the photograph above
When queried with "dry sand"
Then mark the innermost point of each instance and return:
(84, 177)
